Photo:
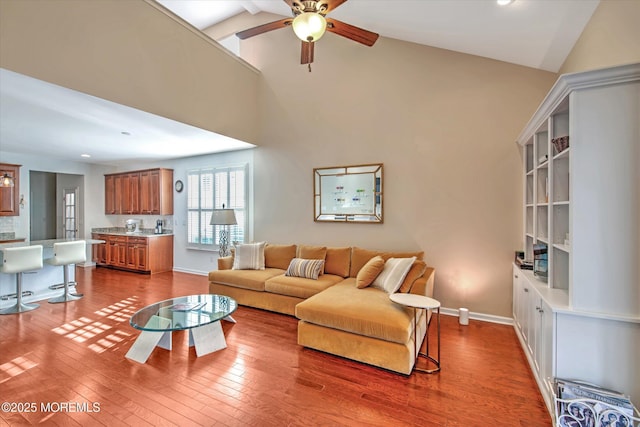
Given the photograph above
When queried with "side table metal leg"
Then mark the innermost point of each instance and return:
(427, 355)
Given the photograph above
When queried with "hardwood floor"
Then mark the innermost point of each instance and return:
(74, 352)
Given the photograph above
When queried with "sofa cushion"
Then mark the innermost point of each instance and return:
(367, 311)
(393, 274)
(307, 268)
(311, 252)
(359, 257)
(247, 279)
(338, 261)
(369, 272)
(300, 287)
(278, 256)
(249, 256)
(417, 270)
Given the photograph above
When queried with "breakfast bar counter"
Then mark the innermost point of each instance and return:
(37, 282)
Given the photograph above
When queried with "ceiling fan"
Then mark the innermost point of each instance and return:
(309, 23)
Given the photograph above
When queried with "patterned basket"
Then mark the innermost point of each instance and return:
(561, 143)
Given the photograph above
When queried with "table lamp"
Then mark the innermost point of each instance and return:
(224, 217)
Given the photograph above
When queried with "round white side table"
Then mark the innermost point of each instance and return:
(426, 303)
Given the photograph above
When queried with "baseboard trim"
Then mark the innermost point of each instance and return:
(479, 316)
(186, 270)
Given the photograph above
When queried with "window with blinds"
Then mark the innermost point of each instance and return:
(215, 188)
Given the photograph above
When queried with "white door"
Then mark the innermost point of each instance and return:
(70, 212)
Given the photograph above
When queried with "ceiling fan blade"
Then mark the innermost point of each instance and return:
(331, 4)
(351, 32)
(306, 52)
(260, 29)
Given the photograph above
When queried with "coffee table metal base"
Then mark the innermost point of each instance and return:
(206, 339)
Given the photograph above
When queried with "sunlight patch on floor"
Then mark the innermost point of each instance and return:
(109, 341)
(120, 311)
(82, 329)
(15, 367)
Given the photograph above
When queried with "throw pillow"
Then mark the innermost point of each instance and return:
(369, 272)
(249, 256)
(307, 268)
(417, 270)
(393, 273)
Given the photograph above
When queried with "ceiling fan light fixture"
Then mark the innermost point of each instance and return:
(309, 26)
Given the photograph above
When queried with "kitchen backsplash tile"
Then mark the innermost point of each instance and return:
(7, 224)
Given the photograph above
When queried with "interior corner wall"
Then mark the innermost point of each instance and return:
(443, 124)
(135, 53)
(611, 37)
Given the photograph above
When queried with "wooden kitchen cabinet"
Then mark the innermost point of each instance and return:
(137, 253)
(156, 192)
(117, 251)
(145, 192)
(9, 195)
(99, 251)
(110, 194)
(145, 254)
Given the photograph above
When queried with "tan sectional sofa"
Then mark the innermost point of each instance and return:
(335, 316)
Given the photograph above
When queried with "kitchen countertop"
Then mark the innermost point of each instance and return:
(47, 243)
(120, 231)
(10, 237)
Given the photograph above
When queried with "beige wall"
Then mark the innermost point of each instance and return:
(131, 52)
(612, 37)
(443, 124)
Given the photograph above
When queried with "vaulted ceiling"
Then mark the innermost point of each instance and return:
(534, 33)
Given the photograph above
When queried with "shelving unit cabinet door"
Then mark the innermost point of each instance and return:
(524, 309)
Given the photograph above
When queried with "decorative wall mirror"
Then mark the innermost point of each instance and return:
(348, 193)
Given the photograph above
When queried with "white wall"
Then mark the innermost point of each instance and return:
(92, 202)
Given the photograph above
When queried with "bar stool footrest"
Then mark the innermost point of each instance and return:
(15, 295)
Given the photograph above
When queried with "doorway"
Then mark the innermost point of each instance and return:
(56, 210)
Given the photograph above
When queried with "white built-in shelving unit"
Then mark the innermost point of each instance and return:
(583, 321)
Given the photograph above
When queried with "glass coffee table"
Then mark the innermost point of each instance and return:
(200, 314)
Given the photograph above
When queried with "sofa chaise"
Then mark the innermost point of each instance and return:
(336, 313)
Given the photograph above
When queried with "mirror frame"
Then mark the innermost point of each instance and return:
(361, 183)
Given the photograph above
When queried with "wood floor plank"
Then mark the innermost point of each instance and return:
(74, 352)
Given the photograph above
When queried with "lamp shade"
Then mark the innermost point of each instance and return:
(309, 26)
(223, 217)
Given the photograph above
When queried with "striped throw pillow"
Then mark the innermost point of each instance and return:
(307, 268)
(393, 273)
(249, 256)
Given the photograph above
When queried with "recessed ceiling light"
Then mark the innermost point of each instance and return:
(86, 156)
(505, 2)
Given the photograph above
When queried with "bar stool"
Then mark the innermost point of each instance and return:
(18, 260)
(64, 254)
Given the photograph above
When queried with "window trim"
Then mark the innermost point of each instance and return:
(214, 246)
